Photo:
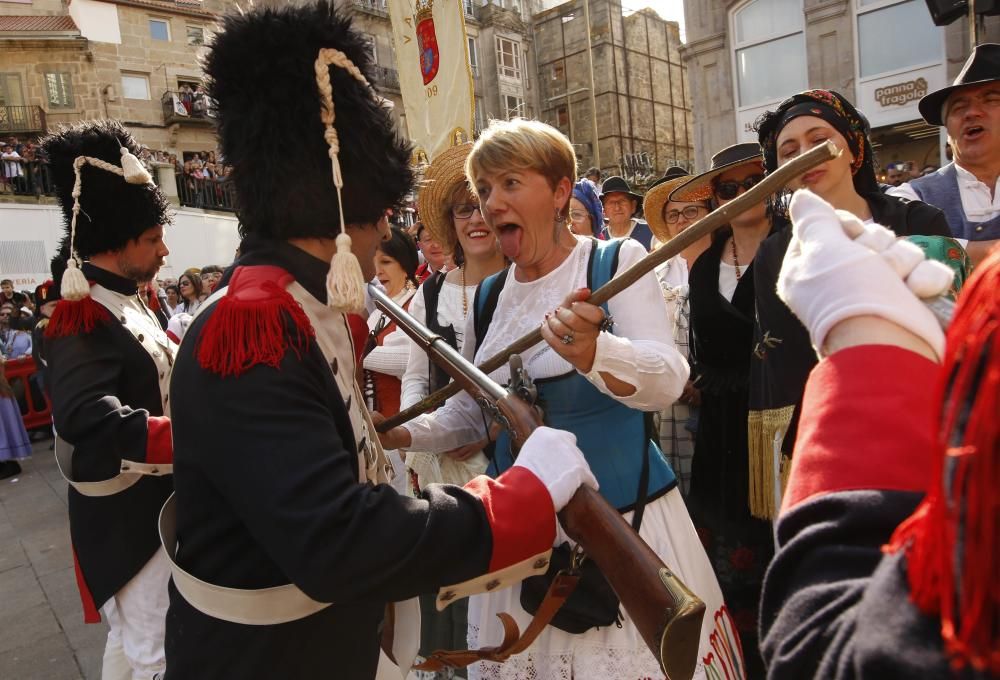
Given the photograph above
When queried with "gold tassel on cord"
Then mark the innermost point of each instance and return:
(765, 431)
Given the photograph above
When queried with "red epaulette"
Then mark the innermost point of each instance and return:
(72, 317)
(249, 324)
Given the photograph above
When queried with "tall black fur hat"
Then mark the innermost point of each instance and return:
(262, 76)
(112, 211)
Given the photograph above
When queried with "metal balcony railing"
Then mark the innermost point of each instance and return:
(26, 178)
(387, 78)
(376, 7)
(20, 119)
(194, 108)
(211, 194)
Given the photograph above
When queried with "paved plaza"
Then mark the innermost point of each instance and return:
(42, 633)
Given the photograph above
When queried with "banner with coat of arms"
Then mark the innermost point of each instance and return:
(435, 79)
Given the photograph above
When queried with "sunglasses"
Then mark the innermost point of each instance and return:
(689, 213)
(730, 189)
(464, 211)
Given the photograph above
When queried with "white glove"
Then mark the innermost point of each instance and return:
(837, 268)
(552, 456)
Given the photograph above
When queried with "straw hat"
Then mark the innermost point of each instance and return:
(445, 174)
(656, 199)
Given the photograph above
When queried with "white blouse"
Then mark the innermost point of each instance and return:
(390, 357)
(641, 351)
(416, 382)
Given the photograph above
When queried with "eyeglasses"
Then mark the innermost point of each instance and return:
(689, 213)
(463, 211)
(730, 189)
(578, 215)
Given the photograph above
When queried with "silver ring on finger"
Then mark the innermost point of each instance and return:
(567, 339)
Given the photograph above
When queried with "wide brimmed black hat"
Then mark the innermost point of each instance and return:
(699, 187)
(982, 66)
(618, 185)
(263, 80)
(113, 211)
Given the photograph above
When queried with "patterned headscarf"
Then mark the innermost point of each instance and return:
(585, 192)
(947, 251)
(835, 110)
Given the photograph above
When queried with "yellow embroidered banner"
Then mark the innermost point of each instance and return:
(432, 55)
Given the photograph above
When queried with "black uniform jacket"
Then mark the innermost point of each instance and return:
(266, 473)
(106, 402)
(834, 605)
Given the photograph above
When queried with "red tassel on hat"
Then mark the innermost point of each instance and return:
(248, 325)
(72, 317)
(951, 540)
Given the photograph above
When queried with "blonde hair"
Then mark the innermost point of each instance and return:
(522, 145)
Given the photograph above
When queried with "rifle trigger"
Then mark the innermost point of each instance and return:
(521, 384)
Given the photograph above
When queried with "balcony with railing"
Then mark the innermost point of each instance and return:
(210, 194)
(387, 78)
(22, 120)
(378, 8)
(26, 179)
(187, 108)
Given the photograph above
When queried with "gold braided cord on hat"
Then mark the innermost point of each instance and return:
(345, 282)
(74, 284)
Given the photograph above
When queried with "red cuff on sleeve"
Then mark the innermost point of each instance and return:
(159, 442)
(867, 423)
(521, 515)
(173, 336)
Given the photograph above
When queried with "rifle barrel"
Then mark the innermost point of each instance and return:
(454, 364)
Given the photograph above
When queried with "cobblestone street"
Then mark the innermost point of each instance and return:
(42, 634)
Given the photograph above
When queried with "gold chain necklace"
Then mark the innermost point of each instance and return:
(736, 260)
(465, 299)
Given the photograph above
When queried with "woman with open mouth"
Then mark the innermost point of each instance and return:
(451, 214)
(598, 372)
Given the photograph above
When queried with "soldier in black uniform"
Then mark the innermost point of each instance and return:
(281, 506)
(108, 367)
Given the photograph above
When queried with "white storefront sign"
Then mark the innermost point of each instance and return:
(893, 98)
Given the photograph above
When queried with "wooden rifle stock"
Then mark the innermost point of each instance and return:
(667, 614)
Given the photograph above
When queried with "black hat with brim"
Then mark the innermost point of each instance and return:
(699, 187)
(982, 66)
(618, 185)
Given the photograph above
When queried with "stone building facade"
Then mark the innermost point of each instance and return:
(129, 59)
(640, 90)
(745, 56)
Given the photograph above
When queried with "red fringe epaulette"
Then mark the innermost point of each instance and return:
(951, 540)
(249, 325)
(73, 317)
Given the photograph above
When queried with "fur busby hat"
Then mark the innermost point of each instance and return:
(263, 75)
(113, 210)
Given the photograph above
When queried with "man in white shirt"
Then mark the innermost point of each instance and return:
(966, 189)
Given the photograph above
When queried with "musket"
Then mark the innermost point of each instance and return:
(719, 217)
(666, 613)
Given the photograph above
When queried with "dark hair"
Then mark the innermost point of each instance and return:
(195, 283)
(266, 144)
(421, 228)
(172, 287)
(6, 281)
(403, 249)
(211, 269)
